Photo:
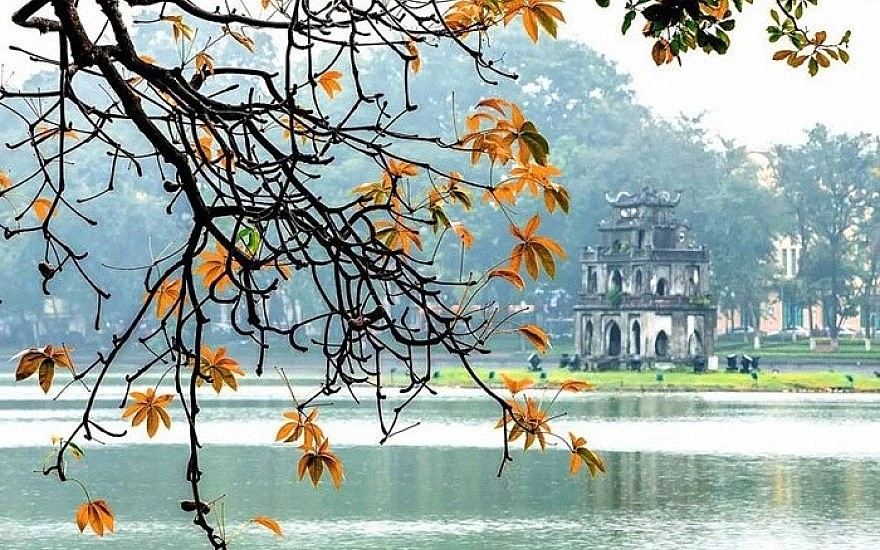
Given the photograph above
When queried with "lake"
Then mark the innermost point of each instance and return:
(685, 471)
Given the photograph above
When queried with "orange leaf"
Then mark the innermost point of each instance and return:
(575, 385)
(530, 24)
(314, 461)
(718, 11)
(167, 296)
(329, 81)
(415, 64)
(467, 238)
(42, 206)
(218, 369)
(510, 276)
(397, 236)
(536, 336)
(5, 181)
(240, 37)
(97, 515)
(268, 523)
(213, 268)
(150, 407)
(516, 385)
(42, 362)
(662, 52)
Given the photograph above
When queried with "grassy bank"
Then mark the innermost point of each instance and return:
(675, 380)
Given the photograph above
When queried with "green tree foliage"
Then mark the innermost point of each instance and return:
(831, 190)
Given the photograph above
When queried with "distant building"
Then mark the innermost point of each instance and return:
(645, 290)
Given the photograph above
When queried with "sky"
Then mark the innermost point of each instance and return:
(744, 95)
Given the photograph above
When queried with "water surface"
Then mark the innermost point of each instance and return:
(690, 471)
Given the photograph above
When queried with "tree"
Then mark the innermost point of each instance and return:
(240, 150)
(737, 219)
(833, 192)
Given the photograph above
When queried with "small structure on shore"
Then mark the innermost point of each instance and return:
(645, 289)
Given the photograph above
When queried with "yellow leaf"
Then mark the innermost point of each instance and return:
(42, 206)
(329, 81)
(240, 37)
(268, 523)
(179, 28)
(536, 336)
(204, 62)
(510, 276)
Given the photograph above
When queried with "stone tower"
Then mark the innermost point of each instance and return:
(645, 288)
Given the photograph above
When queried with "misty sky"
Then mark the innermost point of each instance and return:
(744, 95)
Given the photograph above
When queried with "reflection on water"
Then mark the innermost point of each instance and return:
(685, 471)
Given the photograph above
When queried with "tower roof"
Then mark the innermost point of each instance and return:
(646, 197)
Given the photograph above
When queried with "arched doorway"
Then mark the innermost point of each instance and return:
(616, 281)
(661, 287)
(635, 339)
(661, 344)
(592, 283)
(612, 339)
(587, 337)
(695, 344)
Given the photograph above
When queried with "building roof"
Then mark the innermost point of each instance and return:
(646, 197)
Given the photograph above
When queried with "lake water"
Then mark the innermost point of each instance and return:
(685, 471)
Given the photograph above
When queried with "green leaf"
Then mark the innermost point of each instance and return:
(627, 21)
(547, 23)
(75, 450)
(537, 144)
(251, 239)
(439, 218)
(603, 3)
